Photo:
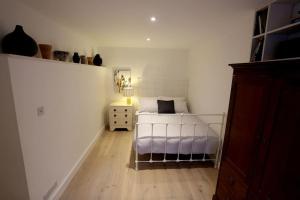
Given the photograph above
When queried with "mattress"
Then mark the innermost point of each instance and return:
(206, 140)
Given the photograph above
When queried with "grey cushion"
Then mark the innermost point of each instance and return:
(166, 106)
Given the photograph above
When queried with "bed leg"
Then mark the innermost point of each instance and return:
(215, 164)
(136, 166)
(136, 160)
(136, 148)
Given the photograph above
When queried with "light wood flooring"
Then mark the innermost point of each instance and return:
(108, 174)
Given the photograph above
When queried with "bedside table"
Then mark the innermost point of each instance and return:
(120, 115)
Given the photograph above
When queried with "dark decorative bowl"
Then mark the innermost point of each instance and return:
(60, 55)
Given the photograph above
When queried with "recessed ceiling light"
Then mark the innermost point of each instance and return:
(153, 19)
(148, 39)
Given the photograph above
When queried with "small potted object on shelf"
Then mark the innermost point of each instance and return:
(82, 59)
(97, 60)
(76, 58)
(45, 50)
(60, 55)
(19, 43)
(90, 60)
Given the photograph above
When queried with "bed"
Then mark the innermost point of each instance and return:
(178, 134)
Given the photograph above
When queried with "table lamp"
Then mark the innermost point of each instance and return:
(128, 92)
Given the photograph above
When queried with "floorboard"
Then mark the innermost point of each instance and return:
(108, 174)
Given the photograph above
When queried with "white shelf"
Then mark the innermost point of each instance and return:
(45, 60)
(259, 36)
(285, 29)
(282, 59)
(278, 30)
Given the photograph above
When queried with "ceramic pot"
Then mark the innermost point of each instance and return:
(97, 60)
(60, 55)
(90, 60)
(82, 59)
(76, 58)
(45, 50)
(19, 43)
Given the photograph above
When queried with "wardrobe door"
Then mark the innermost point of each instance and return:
(281, 179)
(248, 102)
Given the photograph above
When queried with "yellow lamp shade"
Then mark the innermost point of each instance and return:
(128, 92)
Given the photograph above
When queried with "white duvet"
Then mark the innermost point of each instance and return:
(205, 140)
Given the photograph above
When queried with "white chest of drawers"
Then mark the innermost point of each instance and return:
(120, 116)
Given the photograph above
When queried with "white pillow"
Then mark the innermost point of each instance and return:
(148, 104)
(179, 103)
(171, 98)
(180, 106)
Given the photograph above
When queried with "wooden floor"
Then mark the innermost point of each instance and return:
(108, 173)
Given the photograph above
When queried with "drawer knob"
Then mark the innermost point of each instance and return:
(115, 122)
(125, 110)
(115, 110)
(126, 122)
(125, 115)
(115, 115)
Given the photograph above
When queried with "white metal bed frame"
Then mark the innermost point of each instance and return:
(216, 160)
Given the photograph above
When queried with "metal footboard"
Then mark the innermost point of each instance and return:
(219, 122)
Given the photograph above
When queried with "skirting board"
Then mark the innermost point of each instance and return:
(66, 181)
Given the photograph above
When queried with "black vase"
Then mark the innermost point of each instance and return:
(76, 58)
(97, 60)
(19, 43)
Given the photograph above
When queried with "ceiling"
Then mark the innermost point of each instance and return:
(179, 24)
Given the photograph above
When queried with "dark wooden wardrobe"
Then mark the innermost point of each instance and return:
(261, 152)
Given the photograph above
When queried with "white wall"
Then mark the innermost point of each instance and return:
(209, 74)
(41, 28)
(73, 97)
(154, 71)
(13, 179)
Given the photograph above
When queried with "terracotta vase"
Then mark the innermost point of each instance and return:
(19, 43)
(45, 50)
(90, 60)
